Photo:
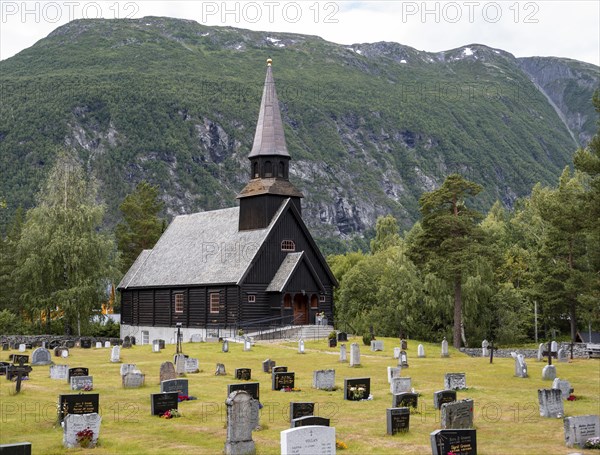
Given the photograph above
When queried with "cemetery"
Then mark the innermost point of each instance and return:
(461, 401)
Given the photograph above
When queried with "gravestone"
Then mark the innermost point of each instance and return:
(247, 344)
(549, 373)
(563, 386)
(268, 365)
(41, 356)
(70, 344)
(551, 403)
(301, 409)
(253, 388)
(301, 347)
(283, 380)
(191, 365)
(82, 382)
(167, 371)
(64, 353)
(179, 361)
(59, 372)
(163, 402)
(99, 345)
(343, 354)
(393, 372)
(80, 403)
(342, 336)
(376, 345)
(74, 423)
(398, 420)
(220, 370)
(578, 429)
(356, 389)
(242, 419)
(126, 344)
(403, 344)
(405, 400)
(5, 346)
(22, 347)
(457, 442)
(562, 355)
(18, 358)
(540, 354)
(308, 440)
(59, 350)
(400, 385)
(18, 448)
(520, 365)
(396, 354)
(457, 415)
(324, 379)
(443, 396)
(403, 360)
(107, 344)
(420, 351)
(554, 347)
(4, 367)
(86, 343)
(133, 380)
(77, 372)
(195, 338)
(127, 368)
(279, 369)
(445, 348)
(155, 346)
(175, 385)
(225, 346)
(484, 348)
(115, 354)
(244, 374)
(354, 355)
(455, 381)
(309, 420)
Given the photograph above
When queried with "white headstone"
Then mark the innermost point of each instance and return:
(393, 372)
(74, 423)
(445, 348)
(540, 355)
(354, 355)
(308, 440)
(484, 348)
(191, 365)
(59, 372)
(397, 353)
(455, 381)
(376, 345)
(563, 386)
(247, 344)
(554, 346)
(127, 368)
(115, 354)
(549, 373)
(179, 363)
(343, 355)
(578, 429)
(324, 379)
(551, 403)
(107, 344)
(22, 348)
(195, 338)
(301, 347)
(562, 355)
(242, 419)
(225, 346)
(98, 344)
(520, 366)
(133, 380)
(64, 353)
(400, 385)
(156, 346)
(420, 351)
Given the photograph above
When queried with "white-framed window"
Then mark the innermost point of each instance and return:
(214, 300)
(288, 245)
(251, 298)
(145, 337)
(322, 298)
(179, 303)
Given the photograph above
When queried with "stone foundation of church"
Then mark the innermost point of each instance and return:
(145, 334)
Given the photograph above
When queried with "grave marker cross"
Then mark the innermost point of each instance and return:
(20, 371)
(492, 348)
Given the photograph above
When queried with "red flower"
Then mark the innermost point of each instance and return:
(571, 397)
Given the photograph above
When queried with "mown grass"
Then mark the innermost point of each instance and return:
(506, 410)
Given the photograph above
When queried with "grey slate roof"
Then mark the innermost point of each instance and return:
(269, 138)
(284, 272)
(201, 248)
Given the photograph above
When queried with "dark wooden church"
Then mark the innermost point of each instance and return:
(242, 267)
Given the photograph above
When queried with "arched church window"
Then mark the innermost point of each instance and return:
(288, 245)
(268, 169)
(255, 170)
(281, 169)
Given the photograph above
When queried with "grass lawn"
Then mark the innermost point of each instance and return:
(506, 409)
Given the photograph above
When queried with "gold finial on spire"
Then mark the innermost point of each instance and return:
(269, 61)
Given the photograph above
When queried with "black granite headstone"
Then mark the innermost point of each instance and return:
(309, 420)
(301, 409)
(342, 336)
(283, 380)
(443, 396)
(243, 374)
(253, 388)
(77, 372)
(356, 389)
(405, 400)
(19, 448)
(77, 404)
(397, 420)
(457, 442)
(163, 402)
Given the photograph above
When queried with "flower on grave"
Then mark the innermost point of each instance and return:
(592, 443)
(182, 398)
(357, 392)
(171, 414)
(571, 397)
(88, 388)
(341, 445)
(85, 437)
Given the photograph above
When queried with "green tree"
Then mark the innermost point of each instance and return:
(8, 262)
(64, 259)
(450, 239)
(141, 227)
(386, 234)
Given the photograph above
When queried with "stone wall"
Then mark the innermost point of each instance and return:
(579, 351)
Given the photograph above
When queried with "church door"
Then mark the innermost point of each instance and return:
(301, 309)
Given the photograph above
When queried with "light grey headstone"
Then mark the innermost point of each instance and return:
(403, 360)
(457, 415)
(82, 382)
(562, 355)
(308, 440)
(175, 385)
(324, 379)
(133, 380)
(107, 344)
(155, 346)
(41, 356)
(127, 368)
(520, 366)
(397, 353)
(343, 354)
(59, 372)
(578, 429)
(225, 347)
(445, 348)
(540, 355)
(393, 372)
(74, 423)
(554, 346)
(115, 354)
(242, 419)
(301, 347)
(551, 403)
(484, 348)
(247, 344)
(354, 355)
(22, 348)
(455, 381)
(549, 373)
(563, 386)
(167, 371)
(179, 363)
(400, 385)
(196, 338)
(99, 345)
(191, 365)
(376, 345)
(220, 370)
(420, 351)
(64, 353)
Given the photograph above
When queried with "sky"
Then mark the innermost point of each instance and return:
(524, 28)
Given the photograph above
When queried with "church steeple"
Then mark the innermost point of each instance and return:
(269, 183)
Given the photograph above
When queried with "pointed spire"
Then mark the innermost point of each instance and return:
(269, 138)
